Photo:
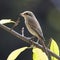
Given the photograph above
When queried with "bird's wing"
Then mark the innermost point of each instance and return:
(36, 28)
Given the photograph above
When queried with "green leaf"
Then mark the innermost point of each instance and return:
(54, 48)
(4, 21)
(13, 55)
(38, 54)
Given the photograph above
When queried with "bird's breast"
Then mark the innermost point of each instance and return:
(30, 29)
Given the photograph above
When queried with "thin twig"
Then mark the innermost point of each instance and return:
(16, 23)
(26, 39)
(22, 31)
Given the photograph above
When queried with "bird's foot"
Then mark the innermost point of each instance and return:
(37, 41)
(32, 38)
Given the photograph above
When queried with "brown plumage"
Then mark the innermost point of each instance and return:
(33, 26)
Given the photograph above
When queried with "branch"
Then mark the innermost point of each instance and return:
(28, 40)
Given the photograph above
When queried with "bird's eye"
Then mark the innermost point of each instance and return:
(26, 14)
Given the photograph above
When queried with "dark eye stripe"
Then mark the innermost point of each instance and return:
(28, 14)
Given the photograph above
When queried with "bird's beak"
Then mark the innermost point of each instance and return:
(21, 14)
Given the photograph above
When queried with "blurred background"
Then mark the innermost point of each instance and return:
(46, 11)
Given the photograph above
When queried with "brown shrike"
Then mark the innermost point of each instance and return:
(33, 26)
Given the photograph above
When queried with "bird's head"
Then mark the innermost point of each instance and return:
(26, 14)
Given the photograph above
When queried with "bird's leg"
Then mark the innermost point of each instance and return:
(32, 38)
(37, 41)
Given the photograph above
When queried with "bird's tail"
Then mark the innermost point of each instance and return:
(44, 46)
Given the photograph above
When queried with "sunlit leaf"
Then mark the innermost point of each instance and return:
(4, 21)
(54, 48)
(13, 55)
(38, 54)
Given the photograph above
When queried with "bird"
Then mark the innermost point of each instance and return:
(33, 26)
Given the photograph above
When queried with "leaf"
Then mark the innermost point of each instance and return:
(54, 48)
(38, 54)
(13, 55)
(4, 21)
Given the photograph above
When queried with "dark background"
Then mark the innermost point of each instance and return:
(46, 11)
